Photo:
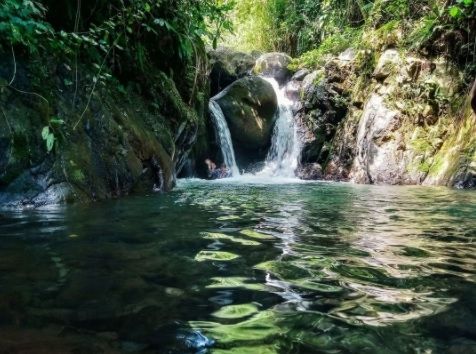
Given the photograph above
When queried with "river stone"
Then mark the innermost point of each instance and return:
(274, 65)
(249, 106)
(228, 66)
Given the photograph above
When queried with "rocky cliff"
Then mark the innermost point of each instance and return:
(394, 119)
(109, 143)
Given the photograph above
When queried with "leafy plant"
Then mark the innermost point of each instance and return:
(48, 134)
(21, 22)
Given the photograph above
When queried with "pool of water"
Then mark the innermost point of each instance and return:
(243, 266)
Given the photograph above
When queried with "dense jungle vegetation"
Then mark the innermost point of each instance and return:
(126, 39)
(312, 29)
(150, 32)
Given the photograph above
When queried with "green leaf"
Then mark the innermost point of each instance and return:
(147, 7)
(45, 132)
(455, 11)
(56, 120)
(50, 141)
(468, 2)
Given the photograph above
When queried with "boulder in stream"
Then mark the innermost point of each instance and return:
(249, 106)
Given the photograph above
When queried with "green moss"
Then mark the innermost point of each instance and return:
(332, 45)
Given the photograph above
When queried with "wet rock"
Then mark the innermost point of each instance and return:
(379, 159)
(227, 66)
(124, 142)
(466, 178)
(323, 107)
(249, 106)
(274, 65)
(300, 75)
(310, 171)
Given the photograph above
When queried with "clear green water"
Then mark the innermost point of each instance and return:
(244, 268)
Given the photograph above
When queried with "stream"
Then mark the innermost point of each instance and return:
(244, 265)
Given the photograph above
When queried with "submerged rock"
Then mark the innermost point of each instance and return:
(274, 65)
(249, 106)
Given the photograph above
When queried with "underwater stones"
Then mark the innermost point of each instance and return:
(227, 66)
(274, 65)
(249, 106)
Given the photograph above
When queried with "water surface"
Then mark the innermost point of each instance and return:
(244, 267)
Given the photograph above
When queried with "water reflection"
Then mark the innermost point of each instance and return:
(244, 268)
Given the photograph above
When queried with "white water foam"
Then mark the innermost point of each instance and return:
(283, 156)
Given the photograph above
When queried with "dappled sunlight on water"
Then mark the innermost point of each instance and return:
(246, 265)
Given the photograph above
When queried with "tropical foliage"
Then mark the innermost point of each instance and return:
(318, 28)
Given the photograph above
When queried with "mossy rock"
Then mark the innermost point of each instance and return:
(249, 106)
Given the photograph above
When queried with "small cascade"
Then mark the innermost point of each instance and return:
(283, 155)
(223, 134)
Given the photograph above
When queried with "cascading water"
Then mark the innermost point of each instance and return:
(224, 136)
(283, 155)
(282, 159)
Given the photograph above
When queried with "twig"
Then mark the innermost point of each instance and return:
(10, 84)
(29, 93)
(95, 80)
(76, 28)
(14, 67)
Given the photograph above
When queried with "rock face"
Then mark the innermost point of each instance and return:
(228, 66)
(274, 65)
(381, 156)
(388, 124)
(322, 106)
(388, 63)
(309, 171)
(249, 106)
(122, 144)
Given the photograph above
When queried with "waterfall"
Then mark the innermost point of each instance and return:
(224, 137)
(283, 156)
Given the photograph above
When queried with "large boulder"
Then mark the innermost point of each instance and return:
(274, 65)
(249, 106)
(228, 66)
